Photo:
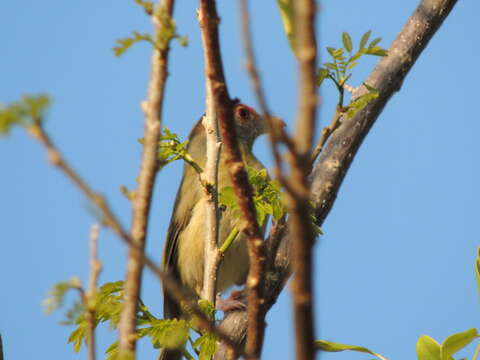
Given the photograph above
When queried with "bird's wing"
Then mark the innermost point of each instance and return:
(182, 214)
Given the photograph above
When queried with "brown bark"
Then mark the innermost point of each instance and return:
(209, 21)
(143, 196)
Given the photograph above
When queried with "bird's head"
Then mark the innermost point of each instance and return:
(249, 123)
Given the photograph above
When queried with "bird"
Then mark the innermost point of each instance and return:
(184, 245)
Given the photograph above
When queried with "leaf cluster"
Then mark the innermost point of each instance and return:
(166, 31)
(429, 349)
(267, 196)
(344, 59)
(30, 110)
(170, 148)
(106, 306)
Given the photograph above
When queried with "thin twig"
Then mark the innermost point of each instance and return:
(152, 107)
(57, 160)
(95, 268)
(208, 19)
(326, 132)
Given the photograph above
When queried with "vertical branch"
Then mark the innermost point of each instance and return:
(251, 67)
(146, 180)
(299, 194)
(95, 268)
(212, 256)
(209, 20)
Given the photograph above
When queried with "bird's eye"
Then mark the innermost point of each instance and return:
(243, 113)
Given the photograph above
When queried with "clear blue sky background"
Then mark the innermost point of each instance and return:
(396, 260)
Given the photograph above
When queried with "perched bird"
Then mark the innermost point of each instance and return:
(184, 247)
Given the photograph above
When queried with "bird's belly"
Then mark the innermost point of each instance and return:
(234, 266)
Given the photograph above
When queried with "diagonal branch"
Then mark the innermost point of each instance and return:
(386, 78)
(330, 170)
(209, 21)
(146, 181)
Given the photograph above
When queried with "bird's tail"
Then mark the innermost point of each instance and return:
(171, 310)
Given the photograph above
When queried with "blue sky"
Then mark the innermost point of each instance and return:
(396, 260)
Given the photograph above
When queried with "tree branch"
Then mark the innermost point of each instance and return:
(330, 170)
(95, 268)
(209, 20)
(298, 198)
(212, 256)
(146, 181)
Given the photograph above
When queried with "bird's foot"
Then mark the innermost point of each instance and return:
(235, 302)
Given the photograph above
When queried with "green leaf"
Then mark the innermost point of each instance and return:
(168, 28)
(352, 65)
(456, 342)
(147, 6)
(364, 39)
(331, 66)
(376, 51)
(286, 12)
(182, 40)
(75, 314)
(338, 54)
(57, 294)
(369, 88)
(322, 74)
(428, 348)
(477, 270)
(125, 355)
(358, 104)
(207, 307)
(331, 346)
(112, 351)
(129, 194)
(227, 197)
(30, 110)
(170, 148)
(126, 43)
(331, 51)
(374, 43)
(78, 336)
(35, 106)
(207, 343)
(357, 56)
(9, 116)
(347, 41)
(167, 333)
